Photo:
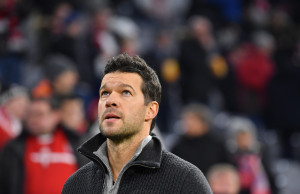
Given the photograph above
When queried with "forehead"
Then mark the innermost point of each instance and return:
(39, 105)
(192, 115)
(119, 78)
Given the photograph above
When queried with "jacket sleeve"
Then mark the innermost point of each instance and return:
(195, 182)
(11, 171)
(3, 171)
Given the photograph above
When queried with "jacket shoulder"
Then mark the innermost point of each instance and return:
(178, 163)
(191, 177)
(87, 179)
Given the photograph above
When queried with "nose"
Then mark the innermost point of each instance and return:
(112, 100)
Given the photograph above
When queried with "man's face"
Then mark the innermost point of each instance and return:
(66, 82)
(121, 107)
(225, 183)
(72, 113)
(18, 106)
(244, 140)
(193, 125)
(41, 119)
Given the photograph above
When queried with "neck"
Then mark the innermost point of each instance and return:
(119, 153)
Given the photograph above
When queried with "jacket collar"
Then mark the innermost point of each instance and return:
(149, 157)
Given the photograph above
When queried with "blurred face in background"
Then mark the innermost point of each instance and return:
(244, 140)
(72, 113)
(225, 182)
(41, 119)
(193, 125)
(65, 82)
(18, 106)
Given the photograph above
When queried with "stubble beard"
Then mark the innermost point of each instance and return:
(124, 133)
(130, 128)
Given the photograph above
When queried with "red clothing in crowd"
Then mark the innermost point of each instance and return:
(253, 68)
(252, 175)
(9, 128)
(49, 161)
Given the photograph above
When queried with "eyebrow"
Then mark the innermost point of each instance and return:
(119, 85)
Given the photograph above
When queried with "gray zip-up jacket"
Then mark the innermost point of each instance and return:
(154, 171)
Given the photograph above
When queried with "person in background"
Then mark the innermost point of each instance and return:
(61, 77)
(199, 144)
(13, 107)
(42, 157)
(195, 54)
(223, 179)
(126, 158)
(72, 114)
(253, 162)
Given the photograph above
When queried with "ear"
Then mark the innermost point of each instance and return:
(152, 110)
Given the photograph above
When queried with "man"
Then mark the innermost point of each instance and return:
(200, 44)
(42, 158)
(125, 158)
(199, 144)
(62, 77)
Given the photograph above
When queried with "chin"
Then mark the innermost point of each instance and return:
(117, 137)
(108, 132)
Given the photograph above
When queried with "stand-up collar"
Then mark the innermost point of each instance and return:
(149, 157)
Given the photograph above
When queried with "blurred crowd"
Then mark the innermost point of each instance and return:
(230, 72)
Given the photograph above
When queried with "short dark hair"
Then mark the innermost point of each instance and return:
(52, 102)
(68, 97)
(151, 86)
(202, 111)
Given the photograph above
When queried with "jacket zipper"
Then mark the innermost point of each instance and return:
(100, 162)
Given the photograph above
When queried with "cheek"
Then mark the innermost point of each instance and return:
(134, 112)
(100, 108)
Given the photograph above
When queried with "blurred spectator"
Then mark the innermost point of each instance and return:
(72, 114)
(220, 12)
(199, 144)
(13, 107)
(47, 7)
(283, 112)
(198, 80)
(223, 179)
(61, 12)
(164, 11)
(12, 51)
(253, 163)
(285, 32)
(103, 39)
(127, 34)
(9, 22)
(162, 59)
(151, 15)
(62, 77)
(76, 43)
(32, 162)
(257, 13)
(113, 34)
(253, 69)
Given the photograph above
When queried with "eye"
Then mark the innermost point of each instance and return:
(127, 93)
(104, 93)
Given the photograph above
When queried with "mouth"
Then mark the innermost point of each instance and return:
(111, 116)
